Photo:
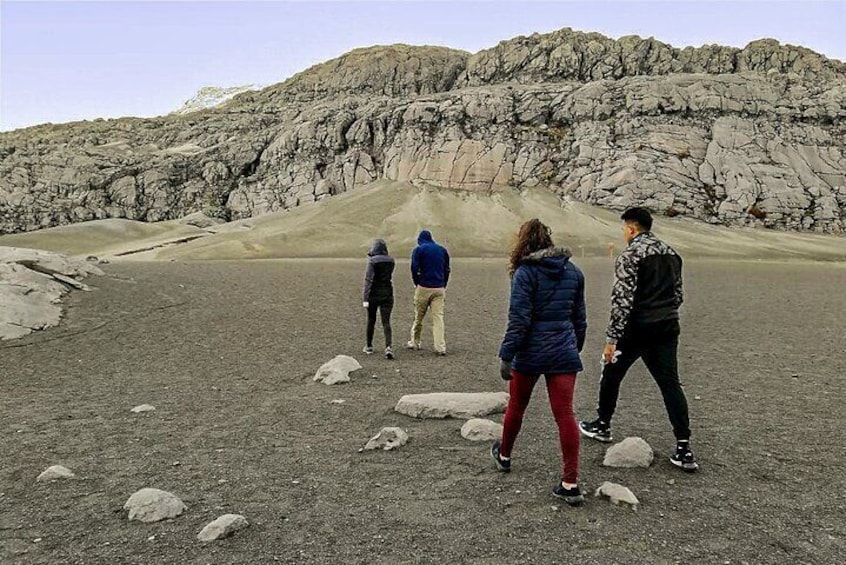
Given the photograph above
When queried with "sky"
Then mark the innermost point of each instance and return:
(66, 61)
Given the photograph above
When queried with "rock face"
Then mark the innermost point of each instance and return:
(478, 429)
(751, 136)
(153, 505)
(631, 452)
(337, 370)
(223, 527)
(387, 439)
(32, 284)
(55, 472)
(464, 405)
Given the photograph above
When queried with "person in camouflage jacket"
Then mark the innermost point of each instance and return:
(644, 324)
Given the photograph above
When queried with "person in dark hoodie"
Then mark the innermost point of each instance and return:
(378, 293)
(430, 273)
(545, 334)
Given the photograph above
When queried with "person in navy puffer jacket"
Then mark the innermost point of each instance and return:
(546, 331)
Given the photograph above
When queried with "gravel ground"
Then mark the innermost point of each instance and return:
(226, 351)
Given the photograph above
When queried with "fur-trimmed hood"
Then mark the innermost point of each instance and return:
(551, 261)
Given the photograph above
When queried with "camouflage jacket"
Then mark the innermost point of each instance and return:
(648, 285)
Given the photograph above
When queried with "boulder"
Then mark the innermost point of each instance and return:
(617, 494)
(478, 429)
(222, 527)
(337, 370)
(631, 452)
(153, 505)
(463, 405)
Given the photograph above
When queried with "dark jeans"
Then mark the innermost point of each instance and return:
(657, 344)
(385, 310)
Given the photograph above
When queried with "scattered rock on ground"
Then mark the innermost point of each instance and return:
(631, 452)
(223, 527)
(478, 429)
(617, 494)
(464, 405)
(55, 472)
(143, 408)
(337, 370)
(387, 439)
(153, 505)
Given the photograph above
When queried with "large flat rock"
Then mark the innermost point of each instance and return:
(464, 405)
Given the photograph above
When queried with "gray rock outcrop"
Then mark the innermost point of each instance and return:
(32, 284)
(747, 137)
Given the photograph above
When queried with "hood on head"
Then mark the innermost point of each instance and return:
(378, 247)
(424, 237)
(552, 260)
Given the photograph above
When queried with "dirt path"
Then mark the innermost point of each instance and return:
(226, 352)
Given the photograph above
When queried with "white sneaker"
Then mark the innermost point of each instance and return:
(389, 353)
(412, 345)
(367, 351)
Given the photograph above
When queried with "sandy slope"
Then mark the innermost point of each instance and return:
(470, 224)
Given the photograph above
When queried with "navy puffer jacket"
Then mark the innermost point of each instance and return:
(546, 315)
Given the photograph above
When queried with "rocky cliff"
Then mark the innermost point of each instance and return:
(751, 136)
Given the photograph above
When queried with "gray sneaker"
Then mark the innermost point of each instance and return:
(389, 353)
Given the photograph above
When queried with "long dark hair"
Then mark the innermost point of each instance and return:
(533, 236)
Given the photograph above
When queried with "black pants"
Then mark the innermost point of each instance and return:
(385, 310)
(657, 344)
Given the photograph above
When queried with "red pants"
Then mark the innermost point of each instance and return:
(560, 388)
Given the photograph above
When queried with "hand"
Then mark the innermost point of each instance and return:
(365, 304)
(609, 355)
(505, 370)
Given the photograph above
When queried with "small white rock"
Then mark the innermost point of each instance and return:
(479, 429)
(617, 494)
(337, 401)
(387, 439)
(631, 452)
(337, 370)
(223, 527)
(55, 472)
(153, 505)
(143, 408)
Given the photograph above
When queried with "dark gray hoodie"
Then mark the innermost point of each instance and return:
(378, 288)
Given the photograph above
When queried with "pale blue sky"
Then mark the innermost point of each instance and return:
(63, 61)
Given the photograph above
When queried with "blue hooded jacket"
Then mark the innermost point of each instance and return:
(429, 262)
(547, 322)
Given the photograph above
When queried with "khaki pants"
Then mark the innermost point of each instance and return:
(425, 299)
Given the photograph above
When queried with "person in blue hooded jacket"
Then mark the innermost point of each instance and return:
(430, 274)
(545, 334)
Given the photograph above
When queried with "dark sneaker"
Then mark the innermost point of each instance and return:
(503, 465)
(389, 353)
(684, 459)
(600, 431)
(572, 496)
(367, 350)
